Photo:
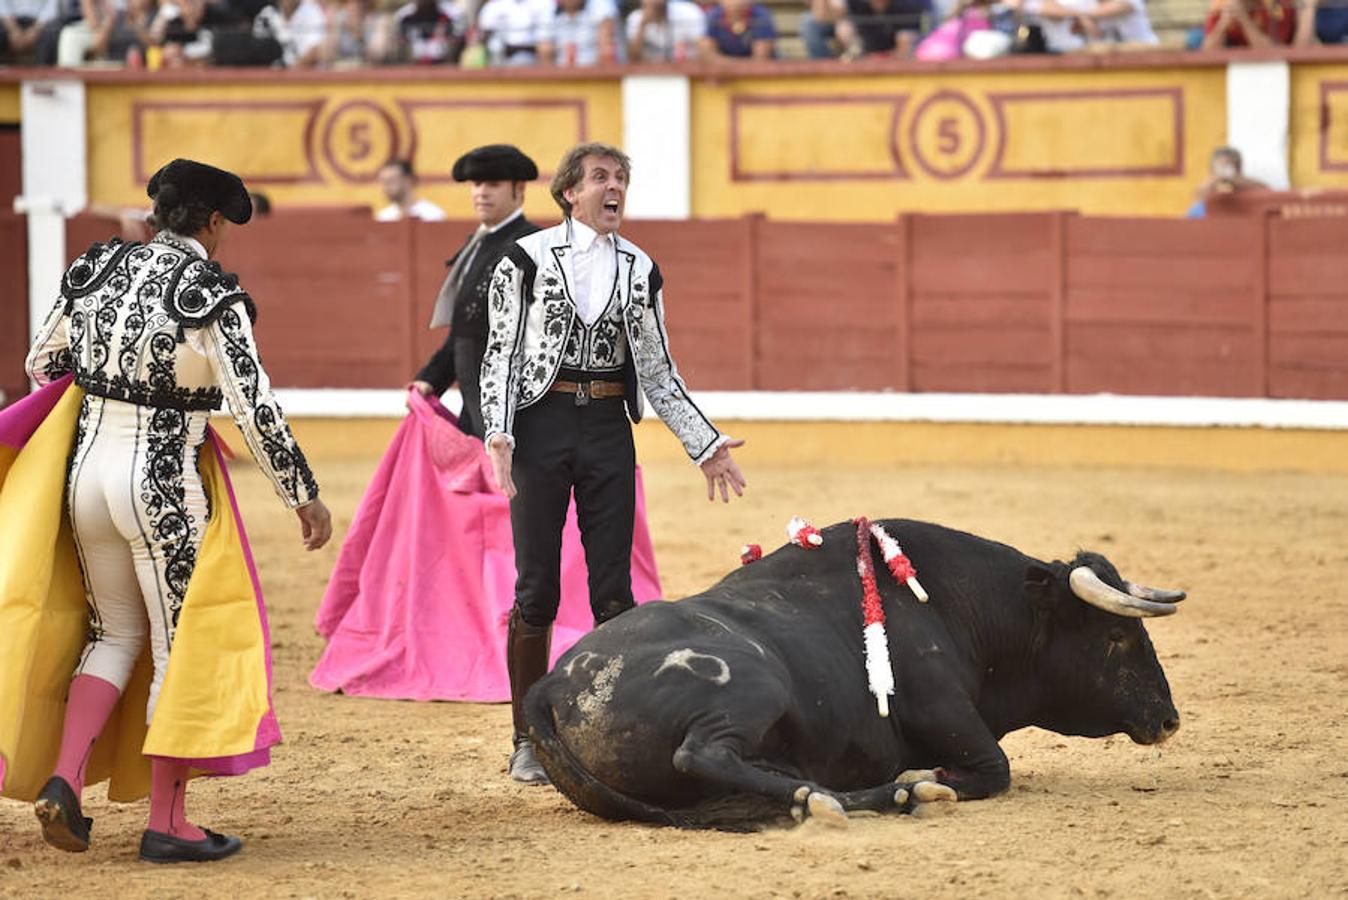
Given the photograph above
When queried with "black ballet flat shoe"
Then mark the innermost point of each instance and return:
(64, 826)
(157, 847)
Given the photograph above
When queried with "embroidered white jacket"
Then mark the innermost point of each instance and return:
(532, 311)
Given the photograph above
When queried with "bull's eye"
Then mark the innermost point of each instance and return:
(1116, 636)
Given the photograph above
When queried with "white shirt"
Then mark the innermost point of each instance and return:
(594, 270)
(424, 210)
(307, 26)
(37, 10)
(684, 24)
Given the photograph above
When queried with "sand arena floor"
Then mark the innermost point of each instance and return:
(393, 799)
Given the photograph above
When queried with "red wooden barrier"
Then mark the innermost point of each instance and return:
(1044, 302)
(13, 304)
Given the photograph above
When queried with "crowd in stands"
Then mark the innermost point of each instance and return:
(473, 33)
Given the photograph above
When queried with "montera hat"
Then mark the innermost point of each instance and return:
(198, 182)
(495, 162)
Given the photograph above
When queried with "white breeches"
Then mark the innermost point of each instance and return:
(139, 513)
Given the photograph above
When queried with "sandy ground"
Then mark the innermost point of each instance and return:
(392, 799)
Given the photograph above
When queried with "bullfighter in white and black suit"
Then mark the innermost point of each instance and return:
(577, 327)
(498, 173)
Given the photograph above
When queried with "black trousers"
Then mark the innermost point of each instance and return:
(561, 447)
(468, 353)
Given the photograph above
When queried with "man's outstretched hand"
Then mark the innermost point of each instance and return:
(723, 473)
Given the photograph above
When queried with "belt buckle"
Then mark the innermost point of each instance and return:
(582, 394)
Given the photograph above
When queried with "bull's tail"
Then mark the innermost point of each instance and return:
(734, 812)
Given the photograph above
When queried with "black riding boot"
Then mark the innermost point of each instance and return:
(527, 660)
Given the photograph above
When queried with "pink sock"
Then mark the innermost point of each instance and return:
(168, 791)
(91, 701)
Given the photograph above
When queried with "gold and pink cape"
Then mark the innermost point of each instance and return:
(214, 710)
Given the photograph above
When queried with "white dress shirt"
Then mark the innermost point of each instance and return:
(594, 270)
(424, 210)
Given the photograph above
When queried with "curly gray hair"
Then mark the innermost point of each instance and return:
(571, 170)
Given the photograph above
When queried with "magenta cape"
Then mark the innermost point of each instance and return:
(214, 710)
(418, 603)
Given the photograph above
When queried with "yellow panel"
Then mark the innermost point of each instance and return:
(322, 143)
(544, 129)
(1092, 132)
(864, 147)
(815, 126)
(1319, 126)
(210, 131)
(9, 103)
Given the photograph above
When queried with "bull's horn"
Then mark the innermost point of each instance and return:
(1142, 592)
(1088, 587)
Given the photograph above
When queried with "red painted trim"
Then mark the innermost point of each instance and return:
(580, 106)
(896, 102)
(999, 100)
(915, 149)
(140, 175)
(719, 72)
(1326, 119)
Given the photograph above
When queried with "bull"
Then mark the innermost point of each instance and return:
(748, 703)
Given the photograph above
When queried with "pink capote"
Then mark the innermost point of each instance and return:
(419, 599)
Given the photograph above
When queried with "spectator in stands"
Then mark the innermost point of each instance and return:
(1322, 22)
(430, 32)
(580, 33)
(513, 29)
(1225, 176)
(880, 27)
(55, 19)
(1250, 23)
(253, 38)
(302, 31)
(360, 34)
(128, 30)
(21, 24)
(665, 31)
(1070, 25)
(818, 28)
(399, 182)
(739, 29)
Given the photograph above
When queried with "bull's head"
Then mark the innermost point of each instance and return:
(1103, 670)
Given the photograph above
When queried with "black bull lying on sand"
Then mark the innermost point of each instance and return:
(749, 701)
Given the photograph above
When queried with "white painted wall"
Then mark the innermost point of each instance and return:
(1258, 111)
(55, 183)
(657, 135)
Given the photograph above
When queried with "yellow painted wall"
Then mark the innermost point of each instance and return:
(323, 143)
(9, 103)
(866, 147)
(1319, 126)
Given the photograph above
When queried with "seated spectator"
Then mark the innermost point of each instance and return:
(512, 30)
(399, 182)
(301, 29)
(1322, 22)
(21, 24)
(126, 32)
(1250, 23)
(1225, 176)
(665, 31)
(1070, 25)
(880, 27)
(360, 34)
(818, 28)
(430, 32)
(55, 19)
(739, 29)
(253, 39)
(580, 33)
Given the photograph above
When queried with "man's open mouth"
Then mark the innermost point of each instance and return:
(611, 206)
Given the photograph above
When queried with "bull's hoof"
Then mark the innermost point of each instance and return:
(930, 791)
(826, 809)
(911, 776)
(900, 797)
(929, 799)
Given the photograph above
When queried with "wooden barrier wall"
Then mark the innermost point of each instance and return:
(1040, 302)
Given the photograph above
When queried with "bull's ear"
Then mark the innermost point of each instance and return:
(1040, 581)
